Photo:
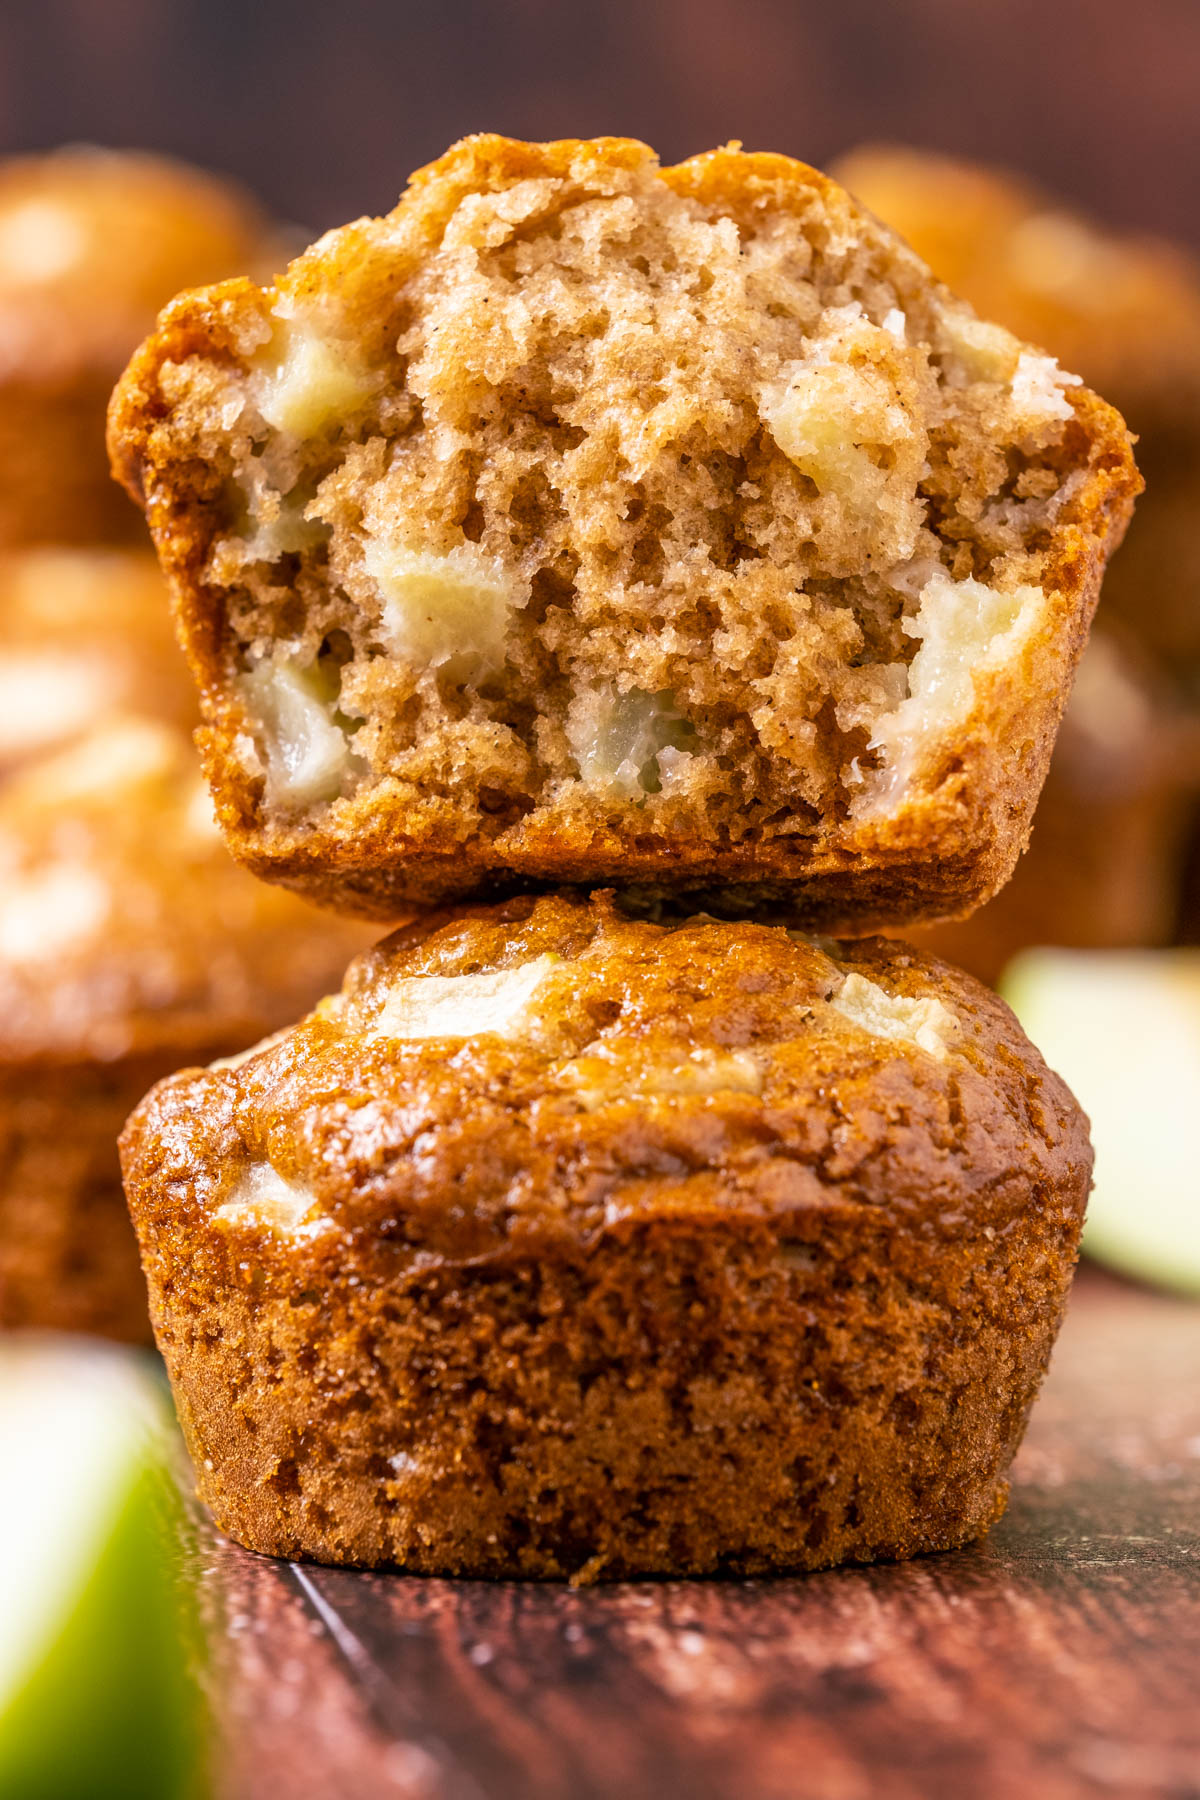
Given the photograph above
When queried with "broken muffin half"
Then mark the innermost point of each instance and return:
(584, 520)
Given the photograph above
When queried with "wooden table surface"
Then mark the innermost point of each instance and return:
(1060, 1658)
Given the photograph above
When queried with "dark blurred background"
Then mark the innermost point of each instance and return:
(324, 108)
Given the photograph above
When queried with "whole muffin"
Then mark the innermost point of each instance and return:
(566, 1244)
(83, 634)
(92, 243)
(1122, 309)
(130, 945)
(586, 520)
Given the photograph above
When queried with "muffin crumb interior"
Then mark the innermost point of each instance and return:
(613, 496)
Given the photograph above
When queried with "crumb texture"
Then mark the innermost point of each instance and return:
(609, 510)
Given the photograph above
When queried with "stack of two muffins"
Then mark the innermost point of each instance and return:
(632, 546)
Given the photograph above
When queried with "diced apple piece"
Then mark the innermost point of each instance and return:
(462, 1006)
(96, 1698)
(925, 1022)
(307, 380)
(446, 612)
(1123, 1030)
(617, 739)
(965, 628)
(308, 754)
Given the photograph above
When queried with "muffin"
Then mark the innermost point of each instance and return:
(1123, 310)
(565, 1243)
(92, 243)
(1104, 865)
(83, 634)
(584, 520)
(130, 944)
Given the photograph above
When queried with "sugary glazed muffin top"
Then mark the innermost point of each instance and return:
(124, 925)
(1121, 307)
(582, 501)
(538, 1071)
(93, 242)
(83, 634)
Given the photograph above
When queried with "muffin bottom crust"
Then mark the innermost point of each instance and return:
(689, 1398)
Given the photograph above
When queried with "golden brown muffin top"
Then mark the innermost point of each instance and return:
(84, 633)
(93, 242)
(124, 925)
(539, 1071)
(1121, 308)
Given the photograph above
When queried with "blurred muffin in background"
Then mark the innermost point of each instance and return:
(92, 243)
(83, 633)
(1104, 866)
(1123, 311)
(130, 946)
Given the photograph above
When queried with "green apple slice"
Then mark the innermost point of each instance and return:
(95, 1694)
(1122, 1027)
